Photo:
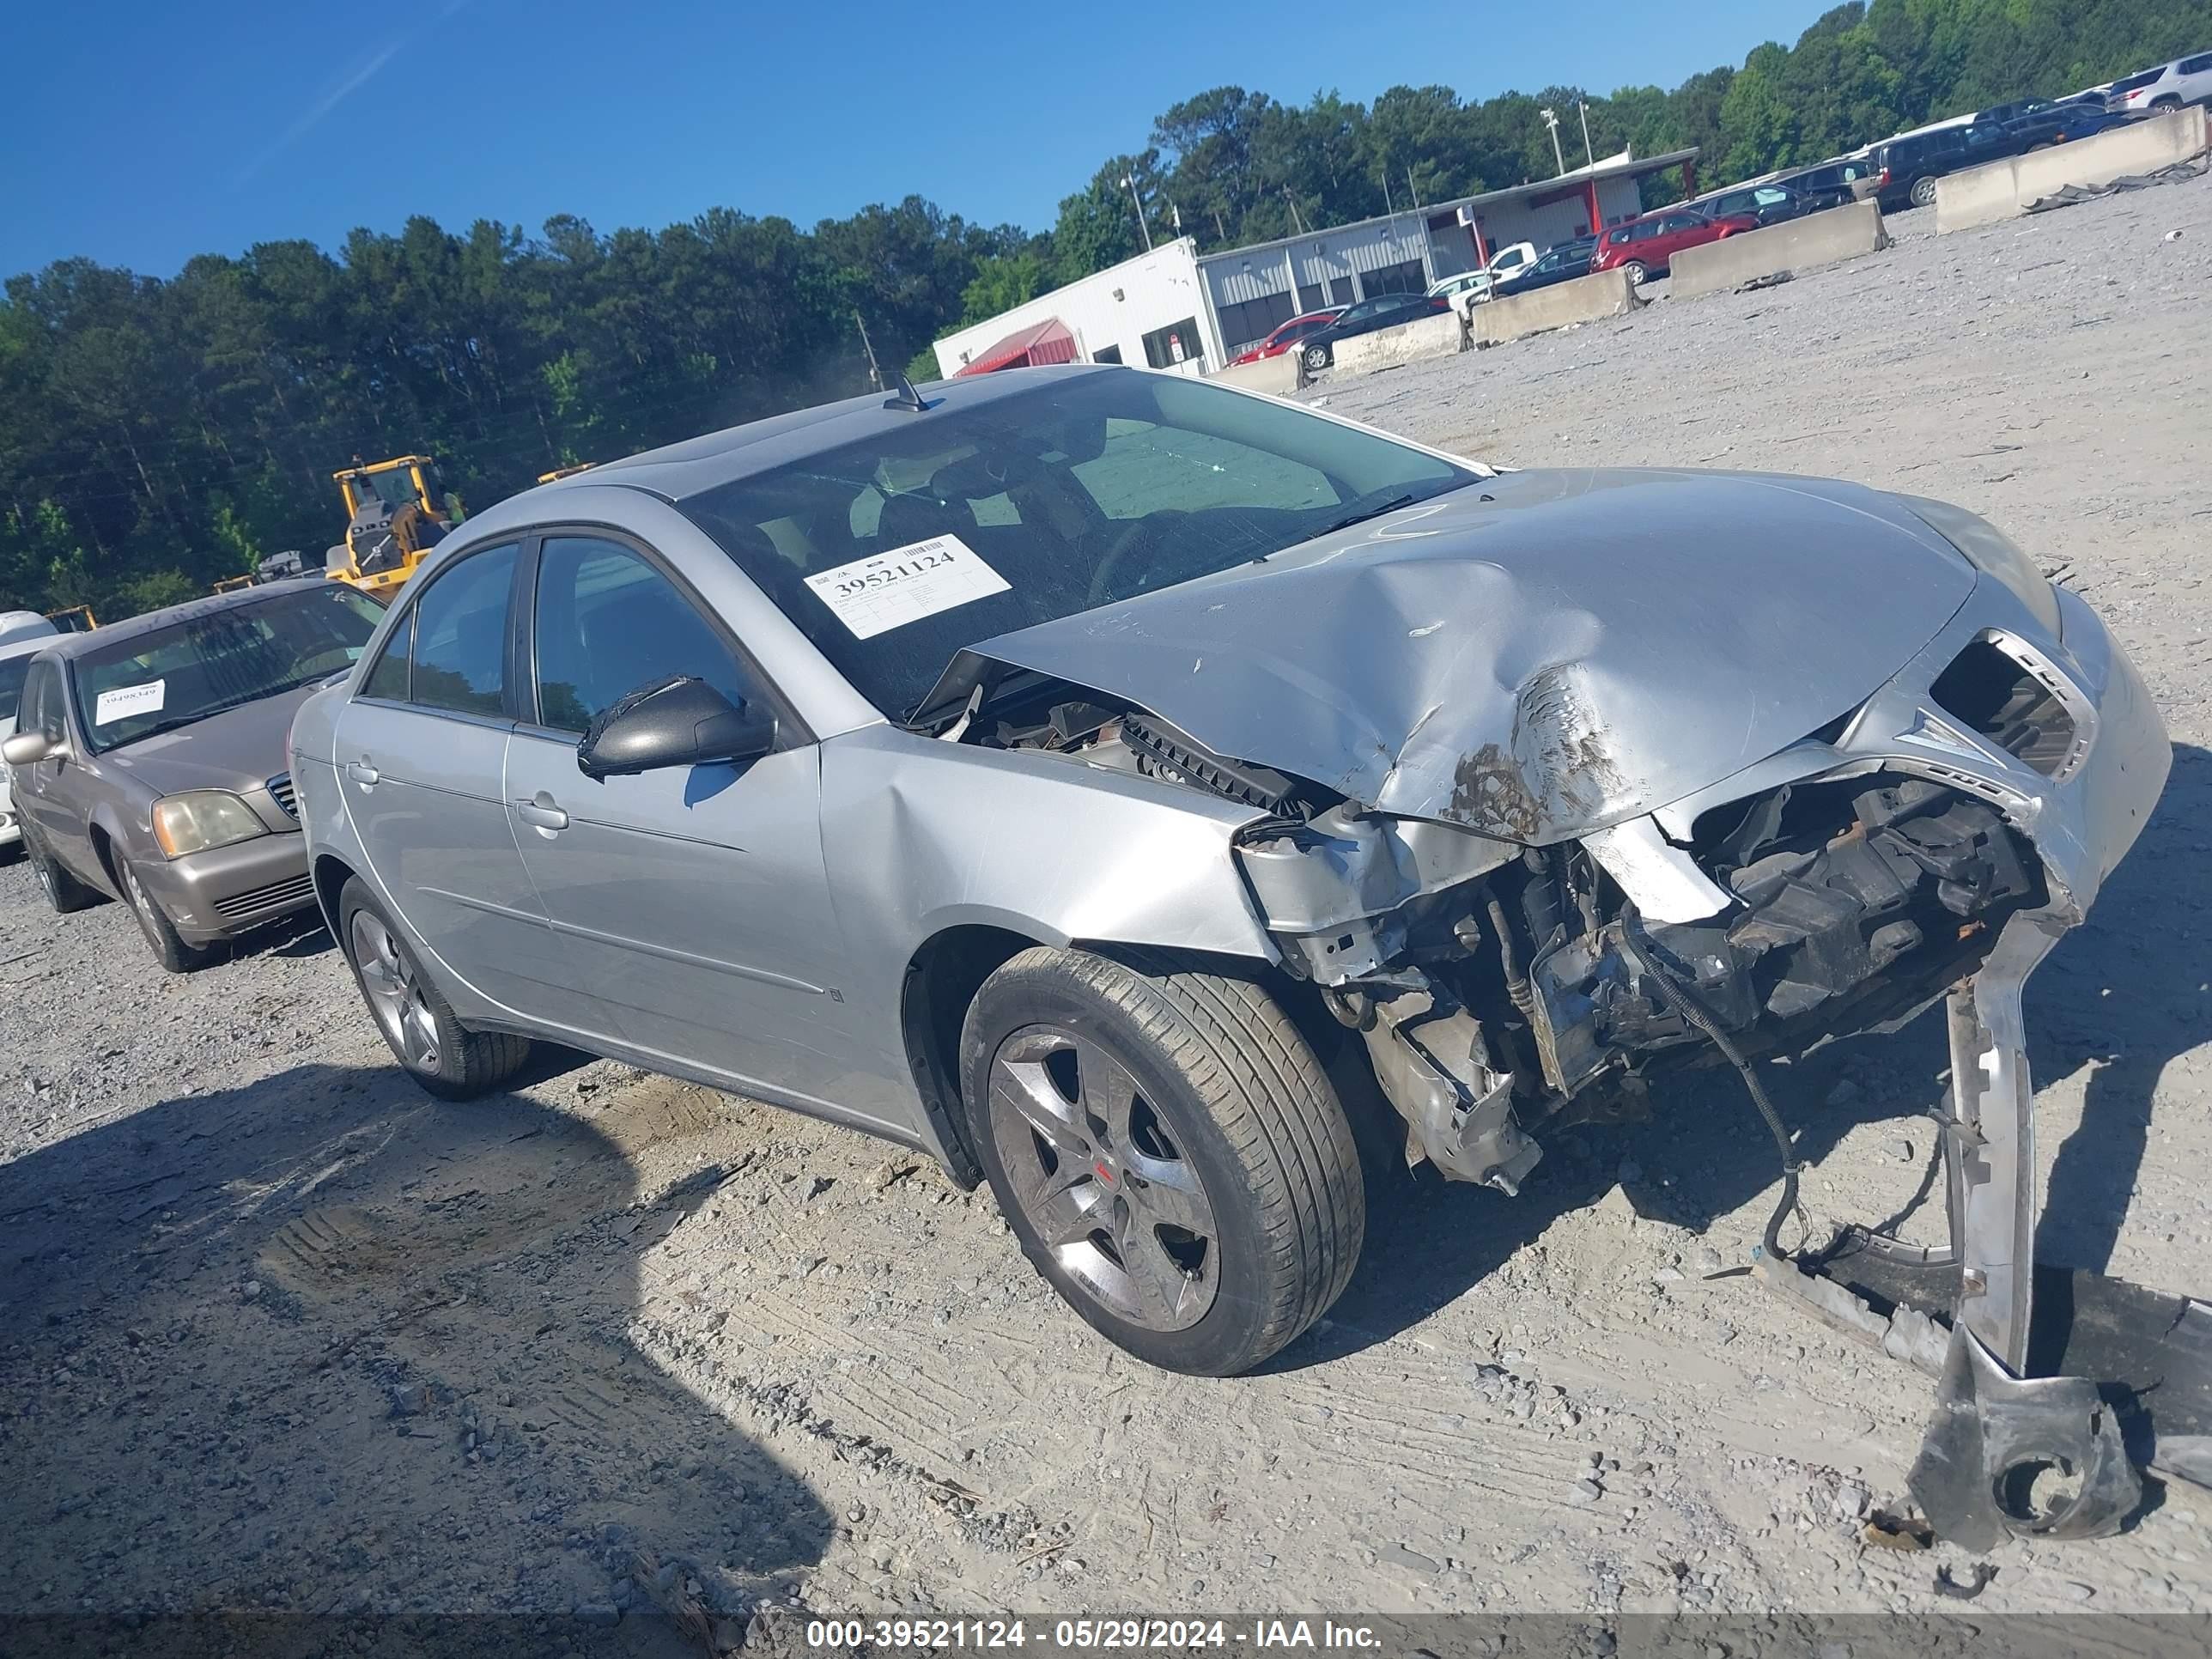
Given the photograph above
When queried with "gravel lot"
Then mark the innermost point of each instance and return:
(278, 1331)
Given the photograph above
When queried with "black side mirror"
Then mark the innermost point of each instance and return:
(682, 721)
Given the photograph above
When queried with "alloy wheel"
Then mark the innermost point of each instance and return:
(395, 991)
(1098, 1173)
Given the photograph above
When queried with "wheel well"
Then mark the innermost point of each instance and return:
(103, 848)
(941, 982)
(331, 874)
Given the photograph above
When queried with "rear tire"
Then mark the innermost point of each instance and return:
(419, 1025)
(2161, 105)
(1923, 192)
(162, 935)
(1639, 273)
(1317, 359)
(64, 891)
(1167, 1150)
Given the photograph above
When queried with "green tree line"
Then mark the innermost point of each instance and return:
(158, 434)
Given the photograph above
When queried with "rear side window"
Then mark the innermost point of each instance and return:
(388, 679)
(608, 624)
(2196, 65)
(460, 636)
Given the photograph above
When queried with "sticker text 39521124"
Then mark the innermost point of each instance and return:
(888, 590)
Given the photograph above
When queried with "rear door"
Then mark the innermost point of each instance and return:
(420, 752)
(691, 901)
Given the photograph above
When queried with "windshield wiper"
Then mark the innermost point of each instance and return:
(1366, 514)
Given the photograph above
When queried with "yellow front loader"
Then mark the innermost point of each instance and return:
(396, 511)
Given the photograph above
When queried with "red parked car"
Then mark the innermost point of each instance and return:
(1645, 247)
(1287, 335)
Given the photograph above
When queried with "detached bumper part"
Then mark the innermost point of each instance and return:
(1996, 1441)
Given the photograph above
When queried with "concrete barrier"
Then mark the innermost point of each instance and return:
(1386, 348)
(2004, 190)
(1278, 375)
(1585, 299)
(1817, 238)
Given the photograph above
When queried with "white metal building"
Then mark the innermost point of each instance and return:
(1173, 308)
(1149, 310)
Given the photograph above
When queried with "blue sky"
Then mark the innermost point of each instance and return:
(141, 133)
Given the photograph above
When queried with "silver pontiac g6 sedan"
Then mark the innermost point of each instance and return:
(1185, 810)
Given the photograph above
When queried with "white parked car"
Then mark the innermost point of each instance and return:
(2170, 86)
(1472, 288)
(23, 634)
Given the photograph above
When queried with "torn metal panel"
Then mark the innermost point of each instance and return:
(1322, 882)
(1434, 1066)
(1662, 880)
(1539, 655)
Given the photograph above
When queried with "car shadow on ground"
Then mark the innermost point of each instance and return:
(322, 1345)
(2123, 995)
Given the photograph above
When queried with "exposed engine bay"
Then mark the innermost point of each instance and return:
(1505, 991)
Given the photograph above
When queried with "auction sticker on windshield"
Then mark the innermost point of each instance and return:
(126, 702)
(888, 590)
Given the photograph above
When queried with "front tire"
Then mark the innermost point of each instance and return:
(162, 935)
(419, 1026)
(1167, 1149)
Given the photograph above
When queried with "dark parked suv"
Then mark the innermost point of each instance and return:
(1383, 310)
(1855, 177)
(1775, 202)
(1907, 169)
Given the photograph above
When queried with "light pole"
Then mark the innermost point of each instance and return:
(1129, 180)
(1552, 120)
(1582, 110)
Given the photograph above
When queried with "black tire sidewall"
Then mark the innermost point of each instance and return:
(1316, 358)
(1922, 193)
(1220, 1342)
(48, 874)
(159, 932)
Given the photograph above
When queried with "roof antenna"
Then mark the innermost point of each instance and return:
(907, 397)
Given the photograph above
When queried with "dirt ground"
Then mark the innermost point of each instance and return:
(278, 1331)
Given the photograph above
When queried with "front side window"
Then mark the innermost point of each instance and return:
(200, 666)
(36, 711)
(609, 624)
(1114, 483)
(460, 636)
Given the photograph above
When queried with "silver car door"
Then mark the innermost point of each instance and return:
(692, 900)
(420, 752)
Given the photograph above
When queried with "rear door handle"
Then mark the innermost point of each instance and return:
(540, 813)
(362, 772)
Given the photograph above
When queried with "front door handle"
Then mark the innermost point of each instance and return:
(540, 813)
(362, 772)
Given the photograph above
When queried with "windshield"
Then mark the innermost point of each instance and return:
(12, 671)
(893, 554)
(158, 681)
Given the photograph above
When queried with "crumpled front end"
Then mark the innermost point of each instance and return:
(1933, 843)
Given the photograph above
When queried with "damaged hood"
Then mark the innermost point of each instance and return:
(1540, 654)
